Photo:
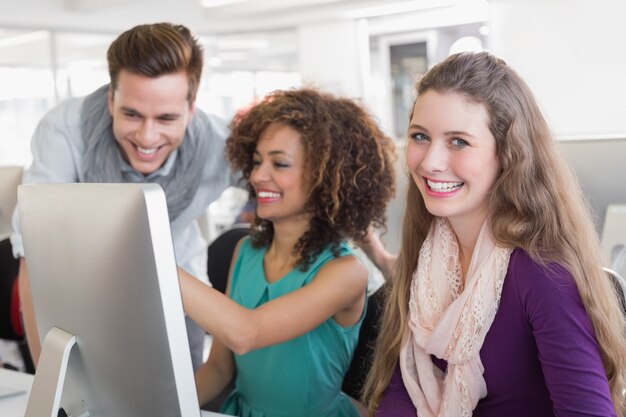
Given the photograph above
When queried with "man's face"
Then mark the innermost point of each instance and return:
(150, 116)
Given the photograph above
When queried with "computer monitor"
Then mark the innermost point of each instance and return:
(108, 306)
(10, 178)
(600, 164)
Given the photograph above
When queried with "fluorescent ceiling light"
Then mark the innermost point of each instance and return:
(250, 43)
(24, 38)
(233, 56)
(218, 3)
(87, 64)
(399, 7)
(91, 5)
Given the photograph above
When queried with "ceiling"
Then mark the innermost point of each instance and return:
(243, 33)
(232, 16)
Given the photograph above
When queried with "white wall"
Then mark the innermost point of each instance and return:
(334, 56)
(572, 54)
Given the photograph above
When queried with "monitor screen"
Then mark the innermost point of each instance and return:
(101, 265)
(600, 165)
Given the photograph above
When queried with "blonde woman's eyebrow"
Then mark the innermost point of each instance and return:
(416, 126)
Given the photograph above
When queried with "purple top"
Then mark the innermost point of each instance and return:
(540, 355)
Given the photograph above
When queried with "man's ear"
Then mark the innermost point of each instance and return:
(192, 109)
(110, 100)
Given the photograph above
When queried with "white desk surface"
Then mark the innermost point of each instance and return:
(16, 406)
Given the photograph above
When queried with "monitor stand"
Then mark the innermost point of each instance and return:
(45, 394)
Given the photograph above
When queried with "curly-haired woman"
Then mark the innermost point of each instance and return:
(321, 172)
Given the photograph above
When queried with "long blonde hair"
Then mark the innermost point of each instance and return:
(536, 205)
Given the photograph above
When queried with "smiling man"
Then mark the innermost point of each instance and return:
(142, 127)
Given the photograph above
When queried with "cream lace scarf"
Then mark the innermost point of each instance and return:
(450, 322)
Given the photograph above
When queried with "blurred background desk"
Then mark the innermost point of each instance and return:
(15, 406)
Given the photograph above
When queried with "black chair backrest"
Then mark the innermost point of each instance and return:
(221, 253)
(9, 267)
(363, 353)
(10, 322)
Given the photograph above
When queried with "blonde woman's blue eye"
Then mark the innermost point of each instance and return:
(418, 137)
(460, 143)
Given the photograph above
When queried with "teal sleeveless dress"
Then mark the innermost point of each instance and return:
(298, 378)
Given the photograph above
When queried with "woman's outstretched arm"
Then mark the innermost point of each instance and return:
(338, 290)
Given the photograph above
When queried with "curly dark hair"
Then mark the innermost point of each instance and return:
(348, 159)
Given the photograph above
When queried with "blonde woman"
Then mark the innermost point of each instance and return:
(499, 306)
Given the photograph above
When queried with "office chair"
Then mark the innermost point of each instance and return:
(613, 243)
(10, 322)
(221, 253)
(620, 286)
(363, 353)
